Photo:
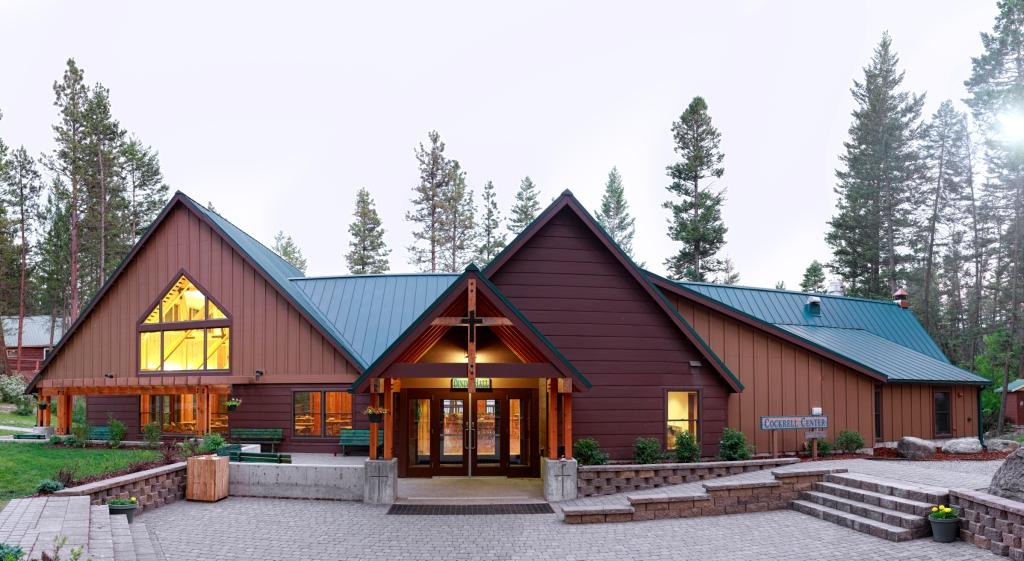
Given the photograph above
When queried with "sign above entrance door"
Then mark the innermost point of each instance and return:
(463, 383)
(794, 422)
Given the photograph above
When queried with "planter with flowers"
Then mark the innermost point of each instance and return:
(375, 413)
(123, 506)
(232, 403)
(945, 523)
(42, 405)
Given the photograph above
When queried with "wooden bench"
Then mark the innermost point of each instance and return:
(358, 437)
(99, 432)
(273, 437)
(259, 457)
(27, 436)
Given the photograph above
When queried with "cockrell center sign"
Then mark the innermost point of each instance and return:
(794, 423)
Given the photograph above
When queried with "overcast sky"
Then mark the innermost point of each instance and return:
(278, 112)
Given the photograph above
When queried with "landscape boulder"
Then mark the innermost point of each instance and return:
(913, 448)
(1008, 482)
(1001, 445)
(962, 446)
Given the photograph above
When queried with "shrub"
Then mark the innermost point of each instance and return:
(56, 440)
(588, 453)
(11, 387)
(117, 431)
(168, 452)
(24, 405)
(151, 433)
(687, 450)
(49, 486)
(824, 447)
(123, 502)
(79, 435)
(733, 446)
(647, 451)
(211, 441)
(849, 441)
(11, 552)
(67, 475)
(78, 410)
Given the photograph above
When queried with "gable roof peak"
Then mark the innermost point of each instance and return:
(568, 193)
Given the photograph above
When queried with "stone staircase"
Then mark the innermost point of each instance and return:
(896, 511)
(35, 523)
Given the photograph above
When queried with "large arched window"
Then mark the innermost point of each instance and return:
(185, 332)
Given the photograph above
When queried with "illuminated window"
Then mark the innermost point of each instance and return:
(321, 413)
(682, 416)
(185, 332)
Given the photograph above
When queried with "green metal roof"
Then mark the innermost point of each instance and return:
(372, 311)
(879, 335)
(1015, 385)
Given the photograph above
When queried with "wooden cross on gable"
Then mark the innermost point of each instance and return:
(471, 321)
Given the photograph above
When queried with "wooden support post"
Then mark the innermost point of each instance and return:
(775, 444)
(63, 413)
(49, 411)
(814, 448)
(374, 401)
(567, 424)
(389, 420)
(471, 335)
(39, 413)
(202, 411)
(552, 419)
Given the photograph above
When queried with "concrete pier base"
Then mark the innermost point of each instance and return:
(560, 477)
(381, 482)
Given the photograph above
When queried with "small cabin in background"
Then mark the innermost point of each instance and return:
(40, 334)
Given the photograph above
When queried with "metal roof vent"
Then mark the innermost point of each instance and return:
(814, 305)
(835, 288)
(901, 298)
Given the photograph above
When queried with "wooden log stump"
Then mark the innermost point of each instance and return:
(207, 478)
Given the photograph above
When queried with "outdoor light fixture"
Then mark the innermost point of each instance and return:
(259, 374)
(108, 375)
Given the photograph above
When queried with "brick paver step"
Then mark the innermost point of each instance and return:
(874, 512)
(121, 533)
(101, 539)
(855, 522)
(901, 489)
(146, 546)
(890, 502)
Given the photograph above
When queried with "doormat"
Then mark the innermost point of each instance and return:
(470, 510)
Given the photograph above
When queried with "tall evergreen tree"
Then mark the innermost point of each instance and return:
(814, 278)
(435, 176)
(104, 197)
(729, 274)
(144, 186)
(458, 221)
(871, 231)
(525, 207)
(53, 277)
(614, 214)
(286, 247)
(696, 220)
(21, 191)
(368, 254)
(490, 237)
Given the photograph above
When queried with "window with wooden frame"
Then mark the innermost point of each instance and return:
(321, 413)
(943, 406)
(682, 416)
(185, 331)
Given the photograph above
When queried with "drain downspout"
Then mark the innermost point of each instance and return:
(981, 422)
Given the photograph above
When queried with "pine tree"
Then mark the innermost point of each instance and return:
(53, 272)
(435, 176)
(145, 189)
(21, 191)
(729, 274)
(871, 231)
(614, 214)
(104, 241)
(696, 219)
(458, 222)
(525, 207)
(368, 254)
(69, 162)
(286, 247)
(814, 278)
(491, 238)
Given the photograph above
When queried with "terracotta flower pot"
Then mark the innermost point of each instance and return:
(127, 510)
(944, 530)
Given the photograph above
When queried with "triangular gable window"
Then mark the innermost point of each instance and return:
(185, 331)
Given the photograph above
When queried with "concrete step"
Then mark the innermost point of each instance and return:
(101, 540)
(121, 533)
(908, 506)
(146, 546)
(901, 489)
(858, 523)
(881, 514)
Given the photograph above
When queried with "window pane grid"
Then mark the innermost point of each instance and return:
(682, 416)
(321, 413)
(204, 347)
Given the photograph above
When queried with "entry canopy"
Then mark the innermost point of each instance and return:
(472, 302)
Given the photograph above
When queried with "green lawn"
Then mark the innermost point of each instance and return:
(10, 419)
(5, 432)
(22, 465)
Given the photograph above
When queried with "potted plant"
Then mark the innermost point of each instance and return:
(375, 413)
(232, 403)
(42, 405)
(123, 506)
(945, 523)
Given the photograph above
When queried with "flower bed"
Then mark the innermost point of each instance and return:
(152, 487)
(940, 456)
(618, 478)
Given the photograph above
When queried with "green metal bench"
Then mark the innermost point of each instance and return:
(99, 432)
(259, 457)
(358, 437)
(273, 437)
(28, 436)
(229, 449)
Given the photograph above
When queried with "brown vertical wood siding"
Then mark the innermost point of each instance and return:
(781, 378)
(268, 333)
(582, 299)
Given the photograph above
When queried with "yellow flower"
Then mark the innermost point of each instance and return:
(935, 509)
(942, 506)
(134, 500)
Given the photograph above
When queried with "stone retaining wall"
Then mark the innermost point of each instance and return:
(990, 522)
(152, 487)
(612, 479)
(719, 498)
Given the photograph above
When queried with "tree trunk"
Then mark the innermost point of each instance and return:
(73, 312)
(103, 223)
(21, 288)
(932, 223)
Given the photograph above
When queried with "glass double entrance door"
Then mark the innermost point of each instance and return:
(485, 433)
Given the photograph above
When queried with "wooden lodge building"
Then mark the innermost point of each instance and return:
(38, 336)
(562, 334)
